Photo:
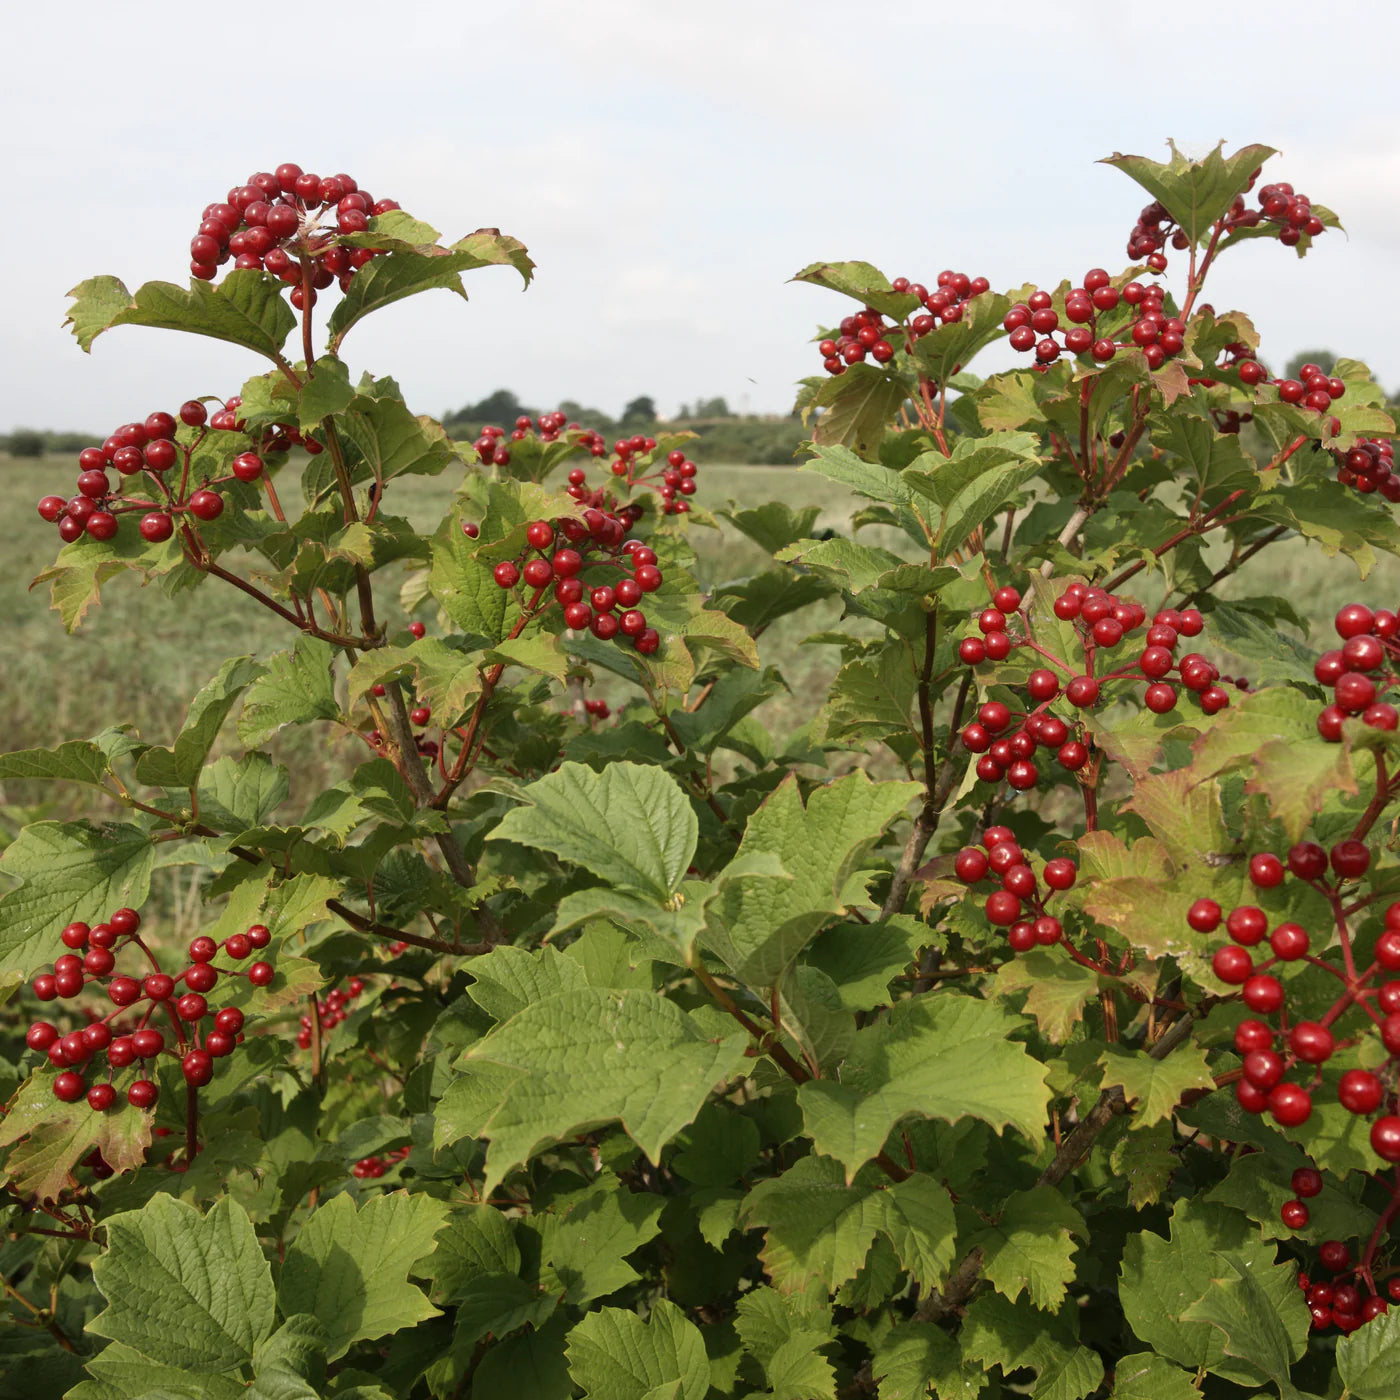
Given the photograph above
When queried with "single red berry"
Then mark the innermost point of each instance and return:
(1072, 755)
(1253, 1035)
(1007, 599)
(1263, 1068)
(69, 1087)
(1247, 925)
(123, 990)
(1294, 1214)
(247, 466)
(1334, 1256)
(1290, 1105)
(203, 949)
(1042, 685)
(1306, 1182)
(197, 1067)
(1060, 873)
(192, 1007)
(158, 985)
(40, 1036)
(970, 865)
(420, 715)
(238, 946)
(259, 935)
(1289, 941)
(1082, 692)
(1003, 908)
(1360, 1092)
(1350, 859)
(142, 1094)
(1232, 964)
(1250, 1098)
(506, 574)
(200, 977)
(260, 974)
(206, 505)
(1312, 1042)
(229, 1020)
(1385, 1138)
(1262, 994)
(1307, 860)
(1265, 871)
(147, 1042)
(1204, 916)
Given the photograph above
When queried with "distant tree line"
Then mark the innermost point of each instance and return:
(31, 442)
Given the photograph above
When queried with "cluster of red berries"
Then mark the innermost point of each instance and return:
(1150, 234)
(197, 1046)
(1032, 324)
(1270, 1054)
(597, 540)
(1018, 906)
(150, 447)
(1369, 641)
(284, 221)
(1339, 1304)
(673, 481)
(866, 333)
(372, 1168)
(491, 445)
(1102, 621)
(599, 709)
(1291, 213)
(331, 1009)
(1369, 466)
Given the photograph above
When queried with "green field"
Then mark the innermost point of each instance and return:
(139, 657)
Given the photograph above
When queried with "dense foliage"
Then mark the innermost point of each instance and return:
(1024, 1022)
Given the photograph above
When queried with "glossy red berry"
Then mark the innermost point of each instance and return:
(1247, 925)
(229, 1020)
(1262, 994)
(69, 1087)
(1334, 1256)
(1253, 1035)
(1290, 1105)
(1232, 964)
(1360, 1092)
(1307, 860)
(142, 1094)
(970, 865)
(1306, 1182)
(1060, 873)
(206, 505)
(101, 1097)
(1265, 871)
(1385, 1138)
(1294, 1214)
(1289, 941)
(1311, 1042)
(1204, 916)
(1082, 692)
(260, 974)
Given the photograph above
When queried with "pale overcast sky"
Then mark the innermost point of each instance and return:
(669, 167)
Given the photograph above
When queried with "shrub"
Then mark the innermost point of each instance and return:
(1024, 1022)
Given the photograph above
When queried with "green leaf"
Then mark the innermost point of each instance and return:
(1031, 1246)
(402, 273)
(851, 566)
(718, 1148)
(774, 524)
(946, 1058)
(614, 1355)
(857, 408)
(350, 1267)
(184, 1289)
(631, 824)
(760, 924)
(1055, 989)
(81, 568)
(1143, 1376)
(508, 979)
(1368, 1359)
(476, 1240)
(526, 1364)
(540, 652)
(862, 959)
(246, 308)
(1160, 1279)
(950, 348)
(238, 793)
(873, 698)
(862, 282)
(180, 766)
(633, 1057)
(981, 477)
(1194, 192)
(78, 761)
(1155, 1087)
(915, 1357)
(1146, 1161)
(67, 871)
(297, 687)
(392, 441)
(120, 1373)
(869, 479)
(1262, 1317)
(819, 1227)
(997, 1332)
(583, 1246)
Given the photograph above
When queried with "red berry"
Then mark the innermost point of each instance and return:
(1265, 871)
(69, 1087)
(1262, 993)
(260, 974)
(158, 986)
(1003, 908)
(1204, 916)
(101, 1097)
(1007, 599)
(1082, 692)
(1385, 1138)
(1060, 873)
(1253, 1035)
(1311, 1042)
(1306, 1182)
(420, 714)
(506, 574)
(1232, 965)
(229, 1020)
(1360, 1092)
(1350, 859)
(1290, 1105)
(142, 1094)
(259, 935)
(197, 1067)
(1334, 1256)
(147, 1043)
(1289, 941)
(206, 505)
(1247, 925)
(1307, 860)
(1294, 1214)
